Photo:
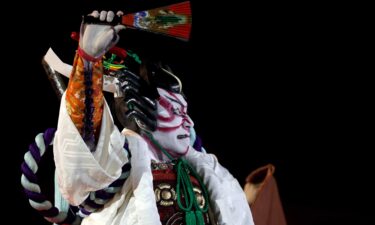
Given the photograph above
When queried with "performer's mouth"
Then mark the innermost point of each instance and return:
(182, 136)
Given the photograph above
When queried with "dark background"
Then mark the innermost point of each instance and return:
(266, 84)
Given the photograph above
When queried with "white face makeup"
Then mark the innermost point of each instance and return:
(173, 129)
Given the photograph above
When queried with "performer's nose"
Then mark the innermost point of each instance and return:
(188, 123)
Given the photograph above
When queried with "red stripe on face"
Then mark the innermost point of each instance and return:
(171, 118)
(169, 129)
(168, 106)
(183, 107)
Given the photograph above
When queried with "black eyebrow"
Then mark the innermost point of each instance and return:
(174, 100)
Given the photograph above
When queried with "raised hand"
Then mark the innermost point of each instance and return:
(97, 38)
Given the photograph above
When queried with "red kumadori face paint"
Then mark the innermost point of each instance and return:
(173, 123)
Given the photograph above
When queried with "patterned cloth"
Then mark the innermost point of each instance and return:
(75, 95)
(166, 197)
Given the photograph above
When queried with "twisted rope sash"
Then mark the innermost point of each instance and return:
(30, 184)
(39, 201)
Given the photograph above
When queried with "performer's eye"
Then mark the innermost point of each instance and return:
(177, 111)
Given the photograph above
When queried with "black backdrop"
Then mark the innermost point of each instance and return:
(265, 83)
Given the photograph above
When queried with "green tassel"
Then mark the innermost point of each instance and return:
(199, 216)
(190, 218)
(184, 187)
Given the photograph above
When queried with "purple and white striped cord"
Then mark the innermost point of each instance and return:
(39, 201)
(30, 184)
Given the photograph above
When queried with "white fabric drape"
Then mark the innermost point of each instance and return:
(79, 171)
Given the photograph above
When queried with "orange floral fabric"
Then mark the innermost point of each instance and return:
(75, 95)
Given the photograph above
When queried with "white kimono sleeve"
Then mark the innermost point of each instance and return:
(80, 171)
(227, 198)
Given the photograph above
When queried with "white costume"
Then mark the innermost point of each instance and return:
(80, 171)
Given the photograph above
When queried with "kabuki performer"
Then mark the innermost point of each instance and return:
(152, 172)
